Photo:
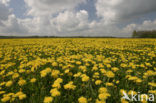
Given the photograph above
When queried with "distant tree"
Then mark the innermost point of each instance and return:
(134, 34)
(144, 34)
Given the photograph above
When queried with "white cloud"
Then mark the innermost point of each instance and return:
(106, 9)
(9, 24)
(4, 12)
(146, 25)
(12, 26)
(70, 21)
(5, 2)
(60, 18)
(119, 10)
(48, 7)
(65, 23)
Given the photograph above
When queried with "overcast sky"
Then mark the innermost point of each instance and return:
(76, 17)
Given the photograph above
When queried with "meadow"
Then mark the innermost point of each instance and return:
(76, 70)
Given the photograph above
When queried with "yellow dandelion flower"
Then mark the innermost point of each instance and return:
(117, 82)
(132, 92)
(152, 84)
(2, 92)
(104, 96)
(122, 91)
(78, 62)
(9, 83)
(152, 91)
(22, 96)
(110, 74)
(54, 64)
(85, 78)
(109, 84)
(102, 90)
(5, 99)
(55, 73)
(124, 101)
(33, 80)
(115, 69)
(66, 71)
(21, 82)
(48, 100)
(69, 86)
(98, 82)
(82, 100)
(15, 75)
(3, 83)
(77, 74)
(54, 92)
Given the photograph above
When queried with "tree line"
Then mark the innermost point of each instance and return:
(144, 34)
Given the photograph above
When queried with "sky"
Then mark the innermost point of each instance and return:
(116, 18)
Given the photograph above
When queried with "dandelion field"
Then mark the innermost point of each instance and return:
(76, 70)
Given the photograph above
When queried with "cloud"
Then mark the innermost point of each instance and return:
(119, 10)
(61, 18)
(146, 25)
(4, 12)
(5, 2)
(49, 7)
(13, 26)
(64, 23)
(9, 24)
(70, 21)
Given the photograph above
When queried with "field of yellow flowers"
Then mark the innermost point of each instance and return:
(76, 70)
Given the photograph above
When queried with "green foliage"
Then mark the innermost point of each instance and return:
(144, 34)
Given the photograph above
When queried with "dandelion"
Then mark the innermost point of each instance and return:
(55, 73)
(18, 94)
(102, 90)
(109, 84)
(2, 92)
(70, 86)
(43, 73)
(5, 99)
(21, 82)
(33, 80)
(54, 92)
(15, 75)
(78, 62)
(57, 83)
(133, 78)
(122, 91)
(110, 74)
(152, 84)
(94, 68)
(115, 69)
(124, 101)
(77, 74)
(98, 82)
(138, 80)
(54, 64)
(85, 78)
(152, 91)
(104, 96)
(117, 82)
(22, 96)
(48, 99)
(67, 71)
(131, 91)
(82, 100)
(8, 84)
